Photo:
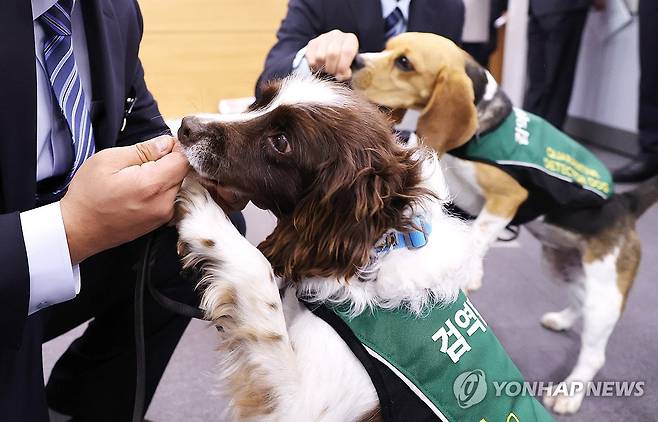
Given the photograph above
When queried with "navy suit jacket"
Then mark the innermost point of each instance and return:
(114, 30)
(307, 19)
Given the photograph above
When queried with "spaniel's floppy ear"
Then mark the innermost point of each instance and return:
(449, 119)
(353, 201)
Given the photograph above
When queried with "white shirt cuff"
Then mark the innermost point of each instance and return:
(300, 64)
(52, 277)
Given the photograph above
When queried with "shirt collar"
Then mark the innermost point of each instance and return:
(39, 7)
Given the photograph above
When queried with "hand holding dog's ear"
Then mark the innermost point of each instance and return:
(333, 53)
(120, 194)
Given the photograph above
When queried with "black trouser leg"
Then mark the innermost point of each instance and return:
(537, 82)
(21, 378)
(553, 46)
(648, 107)
(95, 378)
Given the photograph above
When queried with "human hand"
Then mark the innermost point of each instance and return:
(332, 53)
(599, 4)
(120, 194)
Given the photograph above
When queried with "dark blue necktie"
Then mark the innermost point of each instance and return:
(66, 83)
(393, 23)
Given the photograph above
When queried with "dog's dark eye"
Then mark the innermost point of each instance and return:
(404, 64)
(280, 143)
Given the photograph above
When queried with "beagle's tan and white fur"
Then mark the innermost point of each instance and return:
(458, 99)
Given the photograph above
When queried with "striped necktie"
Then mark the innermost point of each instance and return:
(66, 83)
(393, 23)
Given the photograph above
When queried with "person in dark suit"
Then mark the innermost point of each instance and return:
(326, 35)
(482, 51)
(645, 165)
(71, 220)
(555, 28)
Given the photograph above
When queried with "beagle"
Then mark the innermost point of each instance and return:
(559, 190)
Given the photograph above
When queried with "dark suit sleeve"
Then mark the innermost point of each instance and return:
(14, 281)
(144, 121)
(303, 22)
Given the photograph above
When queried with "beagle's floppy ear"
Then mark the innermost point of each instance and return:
(449, 119)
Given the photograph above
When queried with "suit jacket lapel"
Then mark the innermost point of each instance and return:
(18, 107)
(368, 17)
(107, 73)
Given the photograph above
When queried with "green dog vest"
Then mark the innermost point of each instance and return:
(450, 359)
(555, 169)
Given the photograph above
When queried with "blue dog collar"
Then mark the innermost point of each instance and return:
(414, 239)
(394, 239)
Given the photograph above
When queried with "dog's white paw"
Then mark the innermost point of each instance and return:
(558, 321)
(206, 234)
(201, 223)
(192, 197)
(564, 403)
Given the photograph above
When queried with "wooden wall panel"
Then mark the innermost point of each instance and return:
(196, 52)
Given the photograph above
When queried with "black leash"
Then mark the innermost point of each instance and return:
(144, 282)
(140, 349)
(514, 230)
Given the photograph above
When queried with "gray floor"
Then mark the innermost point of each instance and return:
(515, 294)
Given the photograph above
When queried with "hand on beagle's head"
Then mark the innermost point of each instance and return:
(426, 72)
(332, 53)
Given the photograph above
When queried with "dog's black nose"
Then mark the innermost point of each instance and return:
(189, 131)
(358, 63)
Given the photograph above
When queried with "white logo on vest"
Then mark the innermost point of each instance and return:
(470, 388)
(521, 134)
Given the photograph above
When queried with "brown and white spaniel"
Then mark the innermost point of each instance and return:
(324, 161)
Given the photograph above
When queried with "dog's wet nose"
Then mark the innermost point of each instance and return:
(189, 130)
(358, 63)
